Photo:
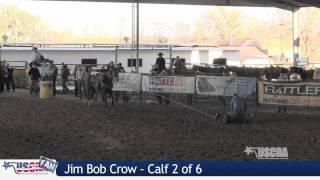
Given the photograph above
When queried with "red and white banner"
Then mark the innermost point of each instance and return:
(168, 84)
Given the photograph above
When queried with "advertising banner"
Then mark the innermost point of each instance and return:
(225, 85)
(168, 84)
(301, 94)
(128, 82)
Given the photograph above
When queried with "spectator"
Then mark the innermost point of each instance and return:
(120, 68)
(295, 77)
(54, 76)
(76, 85)
(65, 72)
(125, 98)
(34, 74)
(80, 75)
(10, 78)
(5, 73)
(160, 63)
(179, 64)
(1, 77)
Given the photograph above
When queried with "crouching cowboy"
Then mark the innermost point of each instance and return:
(237, 113)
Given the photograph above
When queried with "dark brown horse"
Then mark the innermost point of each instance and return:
(100, 81)
(106, 85)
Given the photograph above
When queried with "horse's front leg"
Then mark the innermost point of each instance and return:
(104, 97)
(96, 92)
(92, 94)
(112, 98)
(102, 94)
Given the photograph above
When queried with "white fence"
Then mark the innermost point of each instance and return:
(202, 85)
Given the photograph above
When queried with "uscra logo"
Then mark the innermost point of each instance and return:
(268, 152)
(24, 167)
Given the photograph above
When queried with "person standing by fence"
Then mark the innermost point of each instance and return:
(34, 74)
(75, 69)
(1, 77)
(5, 74)
(54, 76)
(10, 78)
(65, 72)
(80, 74)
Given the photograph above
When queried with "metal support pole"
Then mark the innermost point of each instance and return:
(137, 36)
(133, 34)
(0, 51)
(116, 55)
(170, 57)
(295, 34)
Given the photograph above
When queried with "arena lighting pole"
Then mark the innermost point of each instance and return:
(0, 51)
(295, 34)
(137, 36)
(170, 56)
(116, 54)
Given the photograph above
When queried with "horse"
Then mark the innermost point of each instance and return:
(94, 82)
(106, 85)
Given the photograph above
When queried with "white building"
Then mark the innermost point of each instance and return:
(102, 55)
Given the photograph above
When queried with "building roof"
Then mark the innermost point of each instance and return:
(283, 4)
(102, 47)
(249, 53)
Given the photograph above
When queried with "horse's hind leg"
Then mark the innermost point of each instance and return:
(105, 100)
(102, 94)
(91, 95)
(104, 97)
(96, 93)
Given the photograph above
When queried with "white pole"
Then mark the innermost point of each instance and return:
(295, 34)
(137, 36)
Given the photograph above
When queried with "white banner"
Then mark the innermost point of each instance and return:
(128, 82)
(168, 84)
(289, 93)
(225, 85)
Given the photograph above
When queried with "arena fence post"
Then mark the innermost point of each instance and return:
(257, 94)
(140, 93)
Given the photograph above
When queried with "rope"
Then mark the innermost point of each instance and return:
(186, 106)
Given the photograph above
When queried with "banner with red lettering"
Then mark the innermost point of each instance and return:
(168, 84)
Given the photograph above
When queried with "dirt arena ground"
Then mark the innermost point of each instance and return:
(66, 128)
